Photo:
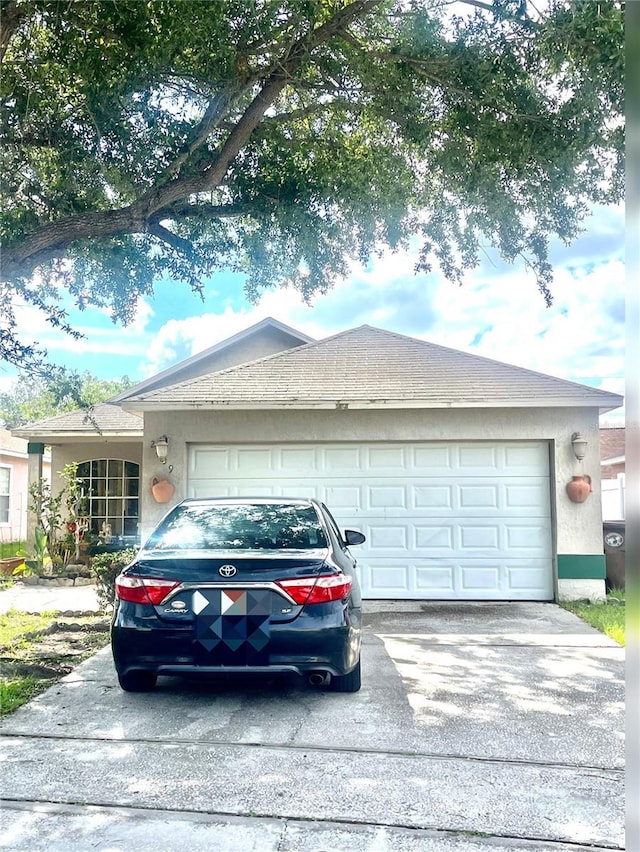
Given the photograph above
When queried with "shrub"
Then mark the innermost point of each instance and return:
(105, 568)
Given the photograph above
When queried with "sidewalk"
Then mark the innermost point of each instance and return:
(46, 598)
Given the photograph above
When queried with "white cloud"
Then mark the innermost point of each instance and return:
(497, 313)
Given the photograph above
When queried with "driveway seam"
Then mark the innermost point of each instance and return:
(602, 771)
(283, 818)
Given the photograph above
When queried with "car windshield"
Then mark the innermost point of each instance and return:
(270, 526)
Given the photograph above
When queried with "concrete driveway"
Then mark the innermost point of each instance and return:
(479, 727)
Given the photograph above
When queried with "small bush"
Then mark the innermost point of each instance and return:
(105, 568)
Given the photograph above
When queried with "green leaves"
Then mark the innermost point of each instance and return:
(37, 397)
(284, 138)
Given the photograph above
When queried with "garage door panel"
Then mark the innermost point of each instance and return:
(387, 497)
(452, 521)
(472, 497)
(388, 458)
(433, 459)
(437, 495)
(525, 495)
(479, 578)
(391, 579)
(298, 460)
(344, 498)
(341, 461)
(388, 539)
(430, 537)
(207, 462)
(434, 580)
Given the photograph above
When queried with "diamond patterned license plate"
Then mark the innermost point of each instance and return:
(232, 626)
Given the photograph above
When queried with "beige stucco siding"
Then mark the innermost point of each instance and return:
(578, 526)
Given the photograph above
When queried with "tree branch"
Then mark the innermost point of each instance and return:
(524, 20)
(11, 16)
(51, 240)
(167, 236)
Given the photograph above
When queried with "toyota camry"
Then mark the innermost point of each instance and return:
(241, 585)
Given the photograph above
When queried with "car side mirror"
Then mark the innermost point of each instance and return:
(353, 537)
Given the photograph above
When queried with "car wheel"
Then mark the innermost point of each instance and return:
(137, 681)
(347, 683)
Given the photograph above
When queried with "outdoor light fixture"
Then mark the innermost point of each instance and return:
(160, 445)
(579, 445)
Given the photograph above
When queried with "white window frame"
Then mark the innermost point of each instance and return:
(7, 522)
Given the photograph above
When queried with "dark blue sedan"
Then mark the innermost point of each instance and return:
(241, 585)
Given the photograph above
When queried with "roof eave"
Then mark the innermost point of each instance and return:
(243, 405)
(49, 437)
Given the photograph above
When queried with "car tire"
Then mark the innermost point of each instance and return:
(347, 683)
(137, 681)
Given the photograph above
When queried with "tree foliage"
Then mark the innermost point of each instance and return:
(282, 138)
(35, 398)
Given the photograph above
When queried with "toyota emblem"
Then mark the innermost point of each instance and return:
(227, 570)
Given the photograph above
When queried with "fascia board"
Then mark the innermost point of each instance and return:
(227, 405)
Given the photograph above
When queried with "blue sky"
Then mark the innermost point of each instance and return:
(497, 313)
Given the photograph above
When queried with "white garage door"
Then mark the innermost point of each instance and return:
(464, 521)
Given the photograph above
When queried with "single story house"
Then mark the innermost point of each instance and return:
(454, 466)
(14, 486)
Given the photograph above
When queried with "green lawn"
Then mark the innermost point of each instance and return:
(11, 548)
(608, 617)
(34, 658)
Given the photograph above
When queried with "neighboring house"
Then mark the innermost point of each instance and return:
(454, 466)
(14, 486)
(612, 472)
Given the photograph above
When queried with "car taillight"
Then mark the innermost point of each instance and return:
(310, 590)
(143, 590)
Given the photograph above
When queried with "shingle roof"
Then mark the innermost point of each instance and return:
(370, 367)
(174, 372)
(612, 442)
(102, 419)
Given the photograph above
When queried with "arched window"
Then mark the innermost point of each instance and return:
(113, 489)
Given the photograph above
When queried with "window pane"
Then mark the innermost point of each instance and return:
(4, 509)
(131, 469)
(130, 526)
(98, 508)
(131, 508)
(5, 480)
(99, 467)
(131, 487)
(115, 467)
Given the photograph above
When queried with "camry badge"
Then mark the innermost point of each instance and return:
(227, 570)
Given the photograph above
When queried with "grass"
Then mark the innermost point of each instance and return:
(19, 690)
(608, 617)
(11, 548)
(33, 658)
(14, 625)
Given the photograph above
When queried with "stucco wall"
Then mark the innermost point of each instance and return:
(578, 526)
